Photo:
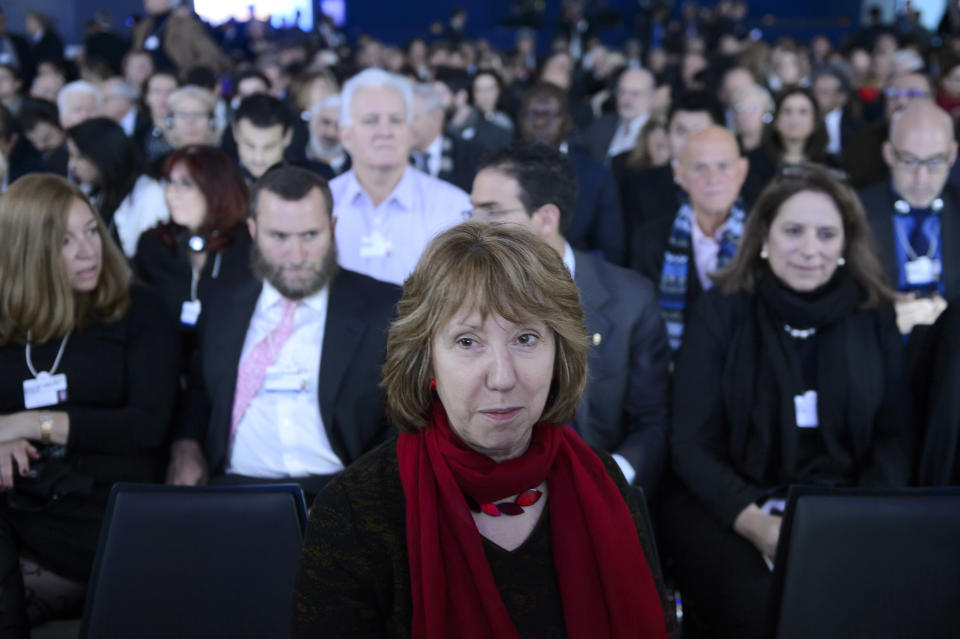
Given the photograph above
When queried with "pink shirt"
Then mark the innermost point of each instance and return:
(705, 251)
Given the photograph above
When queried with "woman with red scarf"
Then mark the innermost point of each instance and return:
(486, 517)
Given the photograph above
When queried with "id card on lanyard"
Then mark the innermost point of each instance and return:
(46, 388)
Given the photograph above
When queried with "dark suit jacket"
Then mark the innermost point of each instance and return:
(597, 136)
(597, 222)
(354, 343)
(878, 203)
(624, 407)
(863, 155)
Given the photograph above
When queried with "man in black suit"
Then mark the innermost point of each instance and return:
(680, 251)
(652, 193)
(915, 217)
(623, 409)
(597, 222)
(259, 406)
(446, 157)
(832, 90)
(616, 133)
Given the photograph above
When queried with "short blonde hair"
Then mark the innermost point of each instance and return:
(490, 267)
(35, 291)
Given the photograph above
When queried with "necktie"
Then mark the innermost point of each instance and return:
(920, 239)
(253, 369)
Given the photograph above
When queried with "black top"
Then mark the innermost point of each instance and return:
(354, 577)
(121, 387)
(167, 270)
(727, 468)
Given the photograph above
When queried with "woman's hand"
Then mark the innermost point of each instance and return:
(760, 529)
(20, 451)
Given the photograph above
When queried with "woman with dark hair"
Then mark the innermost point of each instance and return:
(88, 370)
(486, 88)
(205, 244)
(791, 372)
(106, 165)
(798, 133)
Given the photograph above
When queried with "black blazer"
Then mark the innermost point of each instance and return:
(650, 245)
(354, 344)
(863, 155)
(624, 407)
(597, 137)
(878, 203)
(597, 222)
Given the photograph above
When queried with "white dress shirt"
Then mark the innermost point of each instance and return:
(832, 122)
(386, 241)
(435, 156)
(129, 122)
(625, 137)
(281, 434)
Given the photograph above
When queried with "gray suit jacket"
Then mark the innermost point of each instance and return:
(624, 407)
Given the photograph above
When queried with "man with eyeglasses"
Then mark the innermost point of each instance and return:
(597, 222)
(617, 132)
(624, 407)
(863, 159)
(915, 216)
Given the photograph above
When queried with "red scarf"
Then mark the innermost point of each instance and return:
(605, 584)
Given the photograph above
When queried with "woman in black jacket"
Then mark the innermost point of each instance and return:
(88, 372)
(791, 373)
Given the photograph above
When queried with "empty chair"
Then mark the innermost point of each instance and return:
(196, 562)
(869, 564)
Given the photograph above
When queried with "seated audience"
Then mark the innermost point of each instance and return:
(486, 362)
(445, 157)
(19, 156)
(262, 131)
(486, 90)
(205, 245)
(175, 38)
(10, 88)
(324, 145)
(623, 409)
(386, 210)
(791, 372)
(120, 105)
(286, 381)
(914, 216)
(831, 87)
(617, 133)
(680, 252)
(92, 404)
(796, 135)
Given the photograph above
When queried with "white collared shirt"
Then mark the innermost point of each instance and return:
(832, 122)
(386, 241)
(129, 122)
(435, 156)
(281, 433)
(625, 137)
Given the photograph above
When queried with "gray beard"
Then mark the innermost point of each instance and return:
(272, 273)
(322, 152)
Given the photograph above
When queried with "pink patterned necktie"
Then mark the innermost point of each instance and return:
(253, 369)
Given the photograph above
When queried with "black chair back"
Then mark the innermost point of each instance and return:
(196, 562)
(873, 564)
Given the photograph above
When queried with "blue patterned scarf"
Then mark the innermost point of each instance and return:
(676, 265)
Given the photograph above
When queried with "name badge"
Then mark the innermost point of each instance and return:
(922, 270)
(375, 245)
(45, 390)
(151, 43)
(190, 313)
(806, 409)
(284, 380)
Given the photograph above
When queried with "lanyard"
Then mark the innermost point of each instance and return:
(195, 277)
(908, 247)
(56, 362)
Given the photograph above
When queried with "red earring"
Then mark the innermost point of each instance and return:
(433, 384)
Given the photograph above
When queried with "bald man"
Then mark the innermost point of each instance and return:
(915, 216)
(680, 252)
(617, 132)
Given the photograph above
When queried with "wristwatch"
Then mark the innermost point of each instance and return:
(46, 426)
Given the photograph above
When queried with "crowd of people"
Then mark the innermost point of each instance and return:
(481, 304)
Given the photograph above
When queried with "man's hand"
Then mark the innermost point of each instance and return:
(188, 466)
(760, 529)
